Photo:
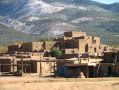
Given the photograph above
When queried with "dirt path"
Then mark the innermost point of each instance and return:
(36, 83)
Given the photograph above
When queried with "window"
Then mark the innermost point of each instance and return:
(94, 41)
(86, 48)
(95, 50)
(105, 48)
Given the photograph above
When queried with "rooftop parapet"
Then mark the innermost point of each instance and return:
(72, 34)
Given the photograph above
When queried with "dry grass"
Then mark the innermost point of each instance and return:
(36, 83)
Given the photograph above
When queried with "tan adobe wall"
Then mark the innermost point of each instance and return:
(37, 46)
(96, 48)
(106, 48)
(90, 48)
(91, 44)
(34, 67)
(48, 45)
(82, 44)
(71, 51)
(78, 34)
(89, 39)
(85, 44)
(13, 48)
(116, 49)
(70, 35)
(47, 68)
(96, 40)
(26, 47)
(31, 46)
(110, 49)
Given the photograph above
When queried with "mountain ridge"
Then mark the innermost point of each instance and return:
(43, 18)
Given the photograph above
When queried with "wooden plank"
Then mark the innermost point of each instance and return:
(71, 65)
(107, 64)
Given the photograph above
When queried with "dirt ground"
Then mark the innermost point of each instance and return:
(37, 83)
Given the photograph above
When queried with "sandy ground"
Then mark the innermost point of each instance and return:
(37, 83)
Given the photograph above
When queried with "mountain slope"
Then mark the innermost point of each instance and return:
(18, 8)
(9, 36)
(111, 7)
(21, 8)
(39, 18)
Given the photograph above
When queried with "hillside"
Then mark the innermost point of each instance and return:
(41, 18)
(9, 36)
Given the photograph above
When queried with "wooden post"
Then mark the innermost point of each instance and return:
(30, 67)
(22, 68)
(0, 67)
(40, 65)
(54, 69)
(87, 71)
(40, 69)
(94, 71)
(13, 65)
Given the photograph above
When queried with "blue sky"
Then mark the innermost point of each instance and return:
(107, 1)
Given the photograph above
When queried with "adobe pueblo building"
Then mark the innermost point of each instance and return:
(74, 44)
(83, 56)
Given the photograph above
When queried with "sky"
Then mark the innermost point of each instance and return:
(107, 1)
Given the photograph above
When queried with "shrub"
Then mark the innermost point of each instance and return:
(55, 52)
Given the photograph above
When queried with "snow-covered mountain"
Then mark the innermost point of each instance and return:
(19, 8)
(22, 12)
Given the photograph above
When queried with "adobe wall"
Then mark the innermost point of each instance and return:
(116, 69)
(48, 45)
(72, 34)
(26, 47)
(37, 46)
(82, 44)
(32, 46)
(47, 68)
(13, 48)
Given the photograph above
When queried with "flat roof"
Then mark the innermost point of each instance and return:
(2, 58)
(107, 64)
(80, 64)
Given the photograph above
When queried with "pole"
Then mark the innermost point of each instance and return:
(54, 68)
(87, 71)
(94, 72)
(13, 66)
(40, 66)
(22, 68)
(0, 67)
(30, 67)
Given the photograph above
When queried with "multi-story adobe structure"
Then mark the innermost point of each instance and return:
(13, 48)
(73, 44)
(32, 46)
(86, 50)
